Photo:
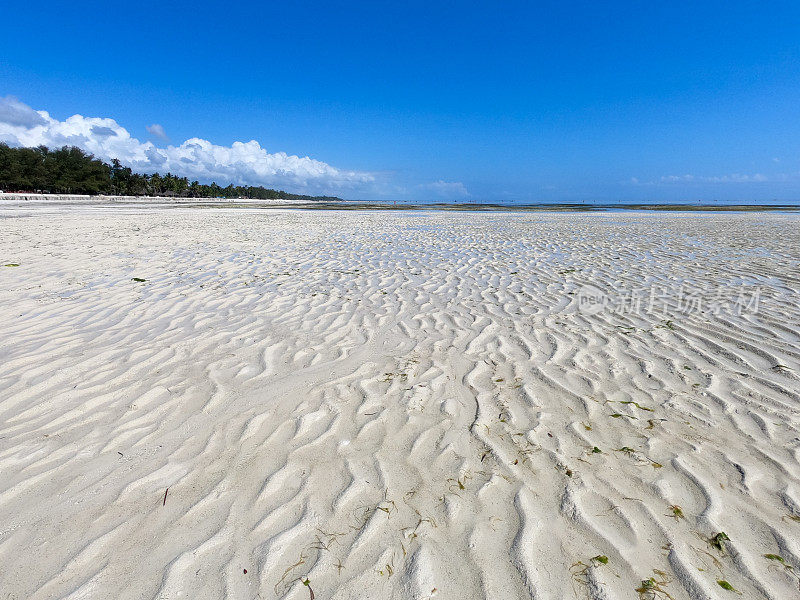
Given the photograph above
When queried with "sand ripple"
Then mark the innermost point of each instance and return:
(394, 405)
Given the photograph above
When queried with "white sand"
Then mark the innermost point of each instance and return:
(393, 405)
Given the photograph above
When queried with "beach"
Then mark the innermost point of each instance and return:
(209, 402)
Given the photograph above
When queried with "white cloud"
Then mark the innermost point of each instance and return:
(701, 179)
(157, 130)
(241, 163)
(15, 113)
(733, 178)
(447, 189)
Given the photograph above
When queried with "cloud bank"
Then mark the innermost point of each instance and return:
(716, 179)
(447, 189)
(242, 163)
(158, 131)
(732, 178)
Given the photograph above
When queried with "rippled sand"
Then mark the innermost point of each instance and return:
(395, 405)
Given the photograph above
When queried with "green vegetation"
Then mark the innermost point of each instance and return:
(70, 170)
(652, 588)
(718, 541)
(637, 405)
(775, 557)
(725, 585)
(580, 570)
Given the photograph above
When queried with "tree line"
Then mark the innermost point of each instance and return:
(70, 170)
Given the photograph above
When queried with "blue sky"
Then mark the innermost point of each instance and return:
(509, 101)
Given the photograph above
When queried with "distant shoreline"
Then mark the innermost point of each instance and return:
(33, 199)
